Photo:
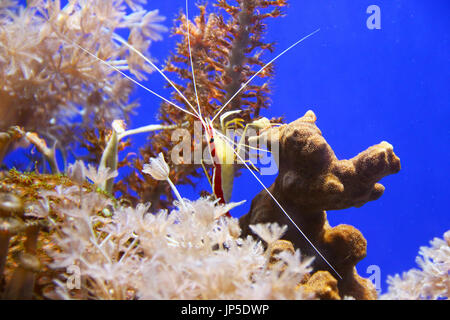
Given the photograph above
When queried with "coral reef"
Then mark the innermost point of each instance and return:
(22, 280)
(311, 180)
(98, 250)
(323, 286)
(227, 47)
(48, 82)
(66, 235)
(27, 244)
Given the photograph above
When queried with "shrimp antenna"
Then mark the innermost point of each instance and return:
(260, 70)
(192, 62)
(281, 207)
(129, 46)
(128, 77)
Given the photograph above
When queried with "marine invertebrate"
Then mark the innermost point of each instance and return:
(323, 285)
(126, 252)
(11, 210)
(20, 284)
(159, 170)
(192, 252)
(225, 47)
(25, 234)
(431, 281)
(311, 180)
(49, 79)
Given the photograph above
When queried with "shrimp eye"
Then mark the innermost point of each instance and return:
(212, 140)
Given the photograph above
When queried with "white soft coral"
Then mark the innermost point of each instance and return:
(41, 59)
(432, 281)
(192, 252)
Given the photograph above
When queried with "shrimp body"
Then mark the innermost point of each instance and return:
(223, 170)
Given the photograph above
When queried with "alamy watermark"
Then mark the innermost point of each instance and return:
(374, 20)
(74, 279)
(375, 276)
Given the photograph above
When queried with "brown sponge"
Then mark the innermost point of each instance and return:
(311, 180)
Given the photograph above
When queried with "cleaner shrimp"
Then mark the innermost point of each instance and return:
(218, 143)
